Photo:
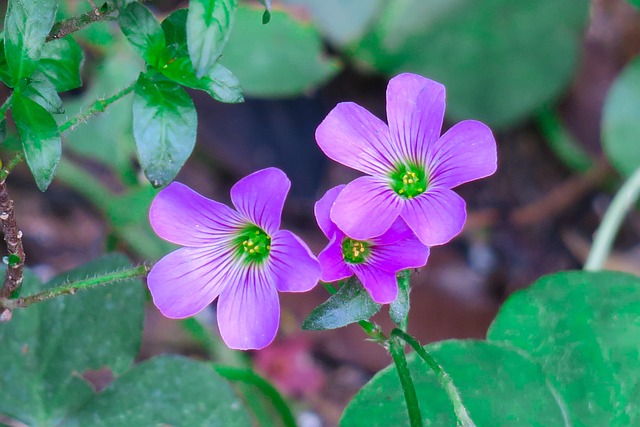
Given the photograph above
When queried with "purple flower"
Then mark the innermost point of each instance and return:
(239, 256)
(374, 261)
(411, 168)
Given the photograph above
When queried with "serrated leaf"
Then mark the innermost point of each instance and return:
(399, 308)
(48, 346)
(26, 26)
(175, 33)
(621, 120)
(284, 58)
(164, 128)
(350, 304)
(498, 385)
(40, 139)
(209, 24)
(60, 61)
(500, 60)
(583, 329)
(143, 31)
(41, 90)
(167, 391)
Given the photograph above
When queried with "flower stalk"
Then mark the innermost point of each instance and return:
(613, 217)
(464, 420)
(73, 287)
(396, 348)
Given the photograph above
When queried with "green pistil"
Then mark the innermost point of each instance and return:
(355, 251)
(253, 244)
(408, 181)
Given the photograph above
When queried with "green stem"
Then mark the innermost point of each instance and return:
(445, 380)
(5, 106)
(396, 348)
(249, 377)
(561, 142)
(98, 107)
(6, 170)
(73, 287)
(608, 229)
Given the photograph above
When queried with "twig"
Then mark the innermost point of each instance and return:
(13, 238)
(71, 25)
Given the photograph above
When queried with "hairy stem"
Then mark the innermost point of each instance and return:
(97, 107)
(13, 238)
(396, 348)
(75, 23)
(73, 287)
(445, 380)
(623, 201)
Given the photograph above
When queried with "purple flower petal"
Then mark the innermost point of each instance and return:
(366, 208)
(292, 265)
(415, 111)
(399, 230)
(436, 216)
(188, 279)
(182, 216)
(466, 152)
(332, 262)
(381, 285)
(249, 310)
(356, 138)
(322, 211)
(403, 254)
(260, 197)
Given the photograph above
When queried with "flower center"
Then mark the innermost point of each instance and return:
(408, 181)
(253, 244)
(355, 251)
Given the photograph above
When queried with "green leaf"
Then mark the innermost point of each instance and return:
(635, 3)
(167, 391)
(209, 23)
(500, 60)
(583, 329)
(399, 308)
(265, 403)
(5, 74)
(164, 127)
(47, 347)
(60, 61)
(340, 21)
(219, 82)
(41, 90)
(26, 26)
(284, 58)
(350, 304)
(499, 387)
(621, 120)
(40, 139)
(143, 31)
(175, 33)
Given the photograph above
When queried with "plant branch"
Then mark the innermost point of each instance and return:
(72, 287)
(445, 380)
(13, 238)
(396, 348)
(97, 107)
(5, 106)
(608, 229)
(71, 25)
